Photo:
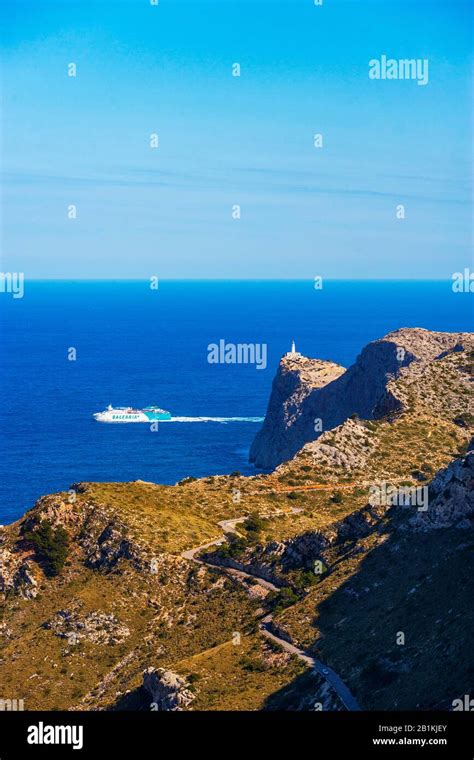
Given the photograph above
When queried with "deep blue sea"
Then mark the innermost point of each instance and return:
(139, 346)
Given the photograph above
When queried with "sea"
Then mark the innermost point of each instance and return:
(70, 348)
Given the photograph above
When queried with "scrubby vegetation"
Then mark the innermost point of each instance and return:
(50, 544)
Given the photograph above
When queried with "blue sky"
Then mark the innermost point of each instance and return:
(225, 140)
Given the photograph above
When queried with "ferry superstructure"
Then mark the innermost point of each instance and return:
(129, 414)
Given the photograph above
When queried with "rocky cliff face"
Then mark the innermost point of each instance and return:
(310, 396)
(16, 575)
(451, 501)
(294, 390)
(168, 691)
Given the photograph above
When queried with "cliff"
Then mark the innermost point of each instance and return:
(297, 384)
(310, 397)
(451, 497)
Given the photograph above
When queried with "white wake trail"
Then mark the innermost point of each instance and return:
(221, 420)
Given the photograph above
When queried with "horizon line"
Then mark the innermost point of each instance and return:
(238, 279)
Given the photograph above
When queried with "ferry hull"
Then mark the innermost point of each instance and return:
(119, 418)
(123, 417)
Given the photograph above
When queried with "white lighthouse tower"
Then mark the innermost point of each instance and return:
(293, 351)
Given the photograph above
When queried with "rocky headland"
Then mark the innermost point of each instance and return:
(310, 396)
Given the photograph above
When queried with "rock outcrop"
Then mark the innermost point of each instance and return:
(97, 627)
(16, 574)
(294, 389)
(98, 532)
(451, 497)
(347, 446)
(168, 691)
(310, 396)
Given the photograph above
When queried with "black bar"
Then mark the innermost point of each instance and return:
(126, 734)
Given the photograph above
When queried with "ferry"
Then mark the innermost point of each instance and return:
(129, 414)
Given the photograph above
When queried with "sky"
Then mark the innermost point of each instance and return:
(227, 141)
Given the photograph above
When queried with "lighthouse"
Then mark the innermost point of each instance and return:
(293, 351)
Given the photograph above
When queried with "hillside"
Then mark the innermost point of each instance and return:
(105, 606)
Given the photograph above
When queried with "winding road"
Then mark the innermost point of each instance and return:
(228, 526)
(337, 684)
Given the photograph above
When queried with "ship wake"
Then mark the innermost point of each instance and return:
(222, 420)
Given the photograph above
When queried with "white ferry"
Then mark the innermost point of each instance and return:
(129, 414)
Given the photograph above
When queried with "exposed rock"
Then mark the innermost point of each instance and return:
(16, 575)
(347, 446)
(306, 391)
(101, 536)
(25, 582)
(96, 627)
(108, 547)
(451, 497)
(297, 380)
(304, 549)
(169, 692)
(259, 562)
(275, 657)
(5, 631)
(257, 592)
(57, 510)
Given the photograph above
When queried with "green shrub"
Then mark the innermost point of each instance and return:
(282, 599)
(51, 545)
(254, 523)
(305, 578)
(253, 664)
(235, 546)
